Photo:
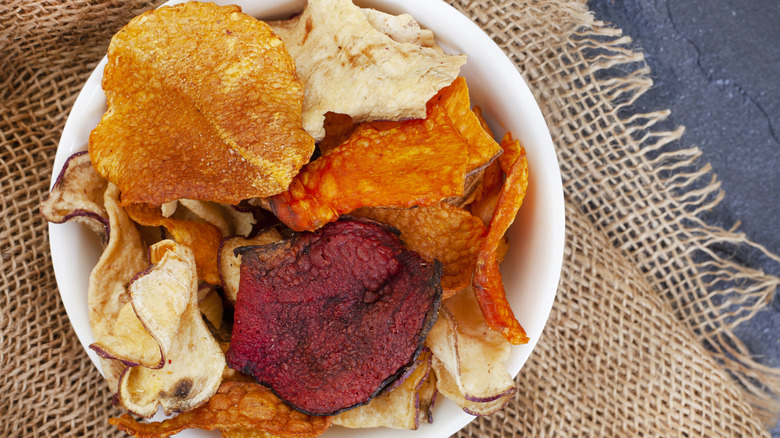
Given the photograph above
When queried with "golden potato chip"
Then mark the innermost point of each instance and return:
(165, 299)
(203, 103)
(210, 305)
(400, 164)
(236, 408)
(488, 283)
(230, 263)
(202, 238)
(448, 234)
(398, 408)
(455, 99)
(469, 359)
(333, 40)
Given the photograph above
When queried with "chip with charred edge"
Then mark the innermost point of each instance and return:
(165, 299)
(473, 356)
(202, 238)
(330, 318)
(230, 262)
(455, 99)
(401, 164)
(488, 283)
(440, 231)
(236, 407)
(77, 196)
(203, 103)
(398, 408)
(332, 40)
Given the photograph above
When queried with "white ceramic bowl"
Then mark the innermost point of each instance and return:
(532, 267)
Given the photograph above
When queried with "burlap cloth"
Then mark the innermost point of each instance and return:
(639, 342)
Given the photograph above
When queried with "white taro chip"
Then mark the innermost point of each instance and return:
(469, 358)
(398, 408)
(230, 263)
(348, 66)
(165, 299)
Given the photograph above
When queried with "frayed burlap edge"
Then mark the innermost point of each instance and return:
(682, 255)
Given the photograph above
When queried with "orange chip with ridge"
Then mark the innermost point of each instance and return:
(455, 99)
(448, 234)
(399, 164)
(202, 238)
(488, 283)
(237, 406)
(203, 103)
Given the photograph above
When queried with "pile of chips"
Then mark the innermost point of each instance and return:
(223, 132)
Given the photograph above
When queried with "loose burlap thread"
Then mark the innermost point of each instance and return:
(640, 339)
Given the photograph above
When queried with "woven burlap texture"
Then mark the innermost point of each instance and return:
(639, 341)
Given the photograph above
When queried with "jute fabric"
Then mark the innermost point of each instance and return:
(640, 339)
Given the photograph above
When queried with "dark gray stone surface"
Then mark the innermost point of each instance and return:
(716, 66)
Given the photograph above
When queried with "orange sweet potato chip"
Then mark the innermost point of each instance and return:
(488, 283)
(440, 231)
(237, 406)
(455, 100)
(399, 164)
(203, 103)
(202, 238)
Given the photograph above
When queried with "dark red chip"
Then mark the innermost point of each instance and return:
(329, 318)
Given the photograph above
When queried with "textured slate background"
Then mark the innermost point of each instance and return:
(716, 66)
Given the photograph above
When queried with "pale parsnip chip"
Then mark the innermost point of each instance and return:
(165, 298)
(469, 357)
(77, 196)
(210, 305)
(398, 408)
(230, 263)
(341, 58)
(401, 28)
(81, 195)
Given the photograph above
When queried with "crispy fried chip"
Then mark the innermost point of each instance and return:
(401, 164)
(236, 408)
(77, 196)
(333, 40)
(469, 359)
(230, 262)
(455, 99)
(204, 103)
(488, 283)
(440, 231)
(202, 238)
(338, 128)
(165, 299)
(399, 408)
(81, 195)
(486, 199)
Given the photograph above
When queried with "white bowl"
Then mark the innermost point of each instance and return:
(532, 266)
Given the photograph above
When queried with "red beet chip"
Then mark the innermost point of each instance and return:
(329, 318)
